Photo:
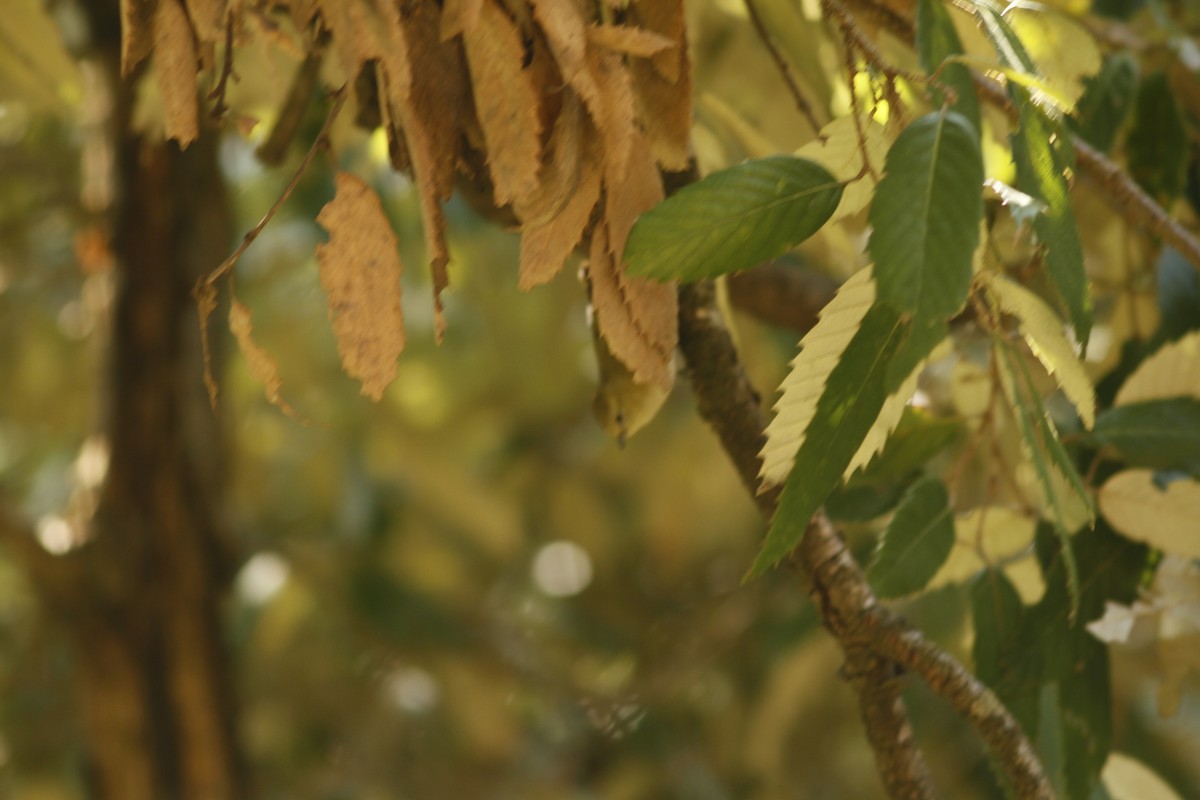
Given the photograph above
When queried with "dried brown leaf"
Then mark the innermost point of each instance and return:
(613, 113)
(427, 100)
(546, 247)
(354, 32)
(666, 18)
(630, 190)
(648, 353)
(565, 26)
(360, 272)
(175, 64)
(627, 39)
(262, 366)
(560, 174)
(137, 33)
(458, 16)
(506, 103)
(662, 88)
(208, 19)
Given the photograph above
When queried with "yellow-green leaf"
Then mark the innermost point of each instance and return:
(1044, 333)
(1163, 518)
(1063, 50)
(839, 149)
(1173, 371)
(821, 348)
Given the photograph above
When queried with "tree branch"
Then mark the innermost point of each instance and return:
(729, 403)
(876, 643)
(783, 295)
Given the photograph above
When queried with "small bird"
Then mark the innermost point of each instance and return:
(622, 405)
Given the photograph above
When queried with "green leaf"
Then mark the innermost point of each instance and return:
(916, 542)
(732, 219)
(918, 438)
(1039, 150)
(996, 610)
(820, 352)
(1106, 102)
(1020, 653)
(925, 217)
(1158, 141)
(849, 404)
(1158, 434)
(1050, 460)
(936, 41)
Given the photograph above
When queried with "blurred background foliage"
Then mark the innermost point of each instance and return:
(466, 590)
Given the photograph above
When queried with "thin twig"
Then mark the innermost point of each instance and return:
(785, 69)
(339, 99)
(205, 290)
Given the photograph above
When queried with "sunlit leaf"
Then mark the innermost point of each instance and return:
(1125, 778)
(1163, 518)
(1040, 443)
(925, 217)
(848, 406)
(1037, 149)
(820, 351)
(916, 541)
(732, 219)
(1172, 371)
(1043, 331)
(1063, 51)
(839, 148)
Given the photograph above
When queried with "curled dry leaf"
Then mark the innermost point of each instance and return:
(637, 318)
(360, 272)
(662, 86)
(208, 17)
(627, 39)
(175, 65)
(506, 102)
(137, 33)
(545, 247)
(262, 366)
(458, 16)
(560, 173)
(429, 103)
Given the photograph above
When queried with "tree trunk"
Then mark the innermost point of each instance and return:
(144, 613)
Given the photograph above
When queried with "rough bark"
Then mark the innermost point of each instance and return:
(143, 613)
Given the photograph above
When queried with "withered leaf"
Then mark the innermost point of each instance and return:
(559, 175)
(137, 33)
(262, 366)
(629, 40)
(360, 272)
(506, 103)
(458, 16)
(546, 247)
(629, 191)
(647, 352)
(565, 27)
(662, 88)
(665, 17)
(354, 33)
(175, 65)
(208, 19)
(613, 112)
